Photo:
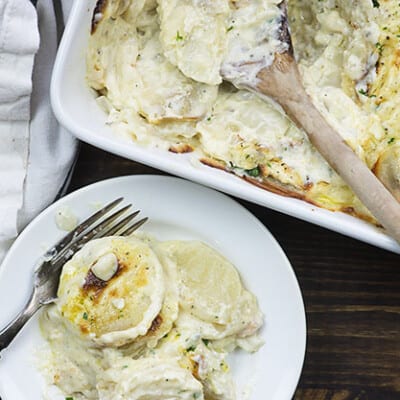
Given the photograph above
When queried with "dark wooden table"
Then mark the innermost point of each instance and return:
(351, 292)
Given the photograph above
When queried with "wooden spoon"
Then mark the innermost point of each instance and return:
(282, 82)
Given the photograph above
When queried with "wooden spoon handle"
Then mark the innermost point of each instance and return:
(282, 81)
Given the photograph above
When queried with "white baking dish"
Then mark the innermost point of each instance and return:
(75, 107)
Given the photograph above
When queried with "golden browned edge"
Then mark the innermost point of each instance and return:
(99, 8)
(385, 172)
(276, 187)
(270, 185)
(155, 325)
(163, 120)
(181, 148)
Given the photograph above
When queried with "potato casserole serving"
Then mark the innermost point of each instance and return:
(157, 69)
(140, 319)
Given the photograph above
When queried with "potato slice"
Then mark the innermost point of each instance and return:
(118, 310)
(164, 321)
(193, 36)
(210, 286)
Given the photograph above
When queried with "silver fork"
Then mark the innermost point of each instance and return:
(46, 275)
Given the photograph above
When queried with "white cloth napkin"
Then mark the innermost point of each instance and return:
(36, 154)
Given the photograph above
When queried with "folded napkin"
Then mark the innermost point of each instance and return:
(36, 154)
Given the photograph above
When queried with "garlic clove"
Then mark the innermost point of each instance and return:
(105, 267)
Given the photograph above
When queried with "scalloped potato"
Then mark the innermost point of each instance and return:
(148, 378)
(200, 272)
(193, 36)
(137, 318)
(348, 57)
(124, 65)
(114, 308)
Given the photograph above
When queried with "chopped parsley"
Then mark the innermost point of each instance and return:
(230, 28)
(365, 93)
(254, 172)
(69, 398)
(391, 140)
(379, 46)
(85, 316)
(375, 3)
(178, 36)
(191, 348)
(205, 341)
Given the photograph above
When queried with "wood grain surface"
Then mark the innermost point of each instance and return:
(351, 292)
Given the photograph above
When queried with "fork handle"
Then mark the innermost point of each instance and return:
(8, 334)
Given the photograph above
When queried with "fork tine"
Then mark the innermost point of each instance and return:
(66, 240)
(118, 226)
(102, 232)
(84, 238)
(134, 227)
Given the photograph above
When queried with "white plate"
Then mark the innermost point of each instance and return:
(178, 210)
(75, 107)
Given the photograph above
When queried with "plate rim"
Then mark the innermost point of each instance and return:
(180, 181)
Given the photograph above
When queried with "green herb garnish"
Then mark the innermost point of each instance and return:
(365, 93)
(375, 3)
(379, 46)
(85, 316)
(178, 36)
(254, 172)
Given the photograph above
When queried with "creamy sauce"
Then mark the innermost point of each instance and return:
(252, 40)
